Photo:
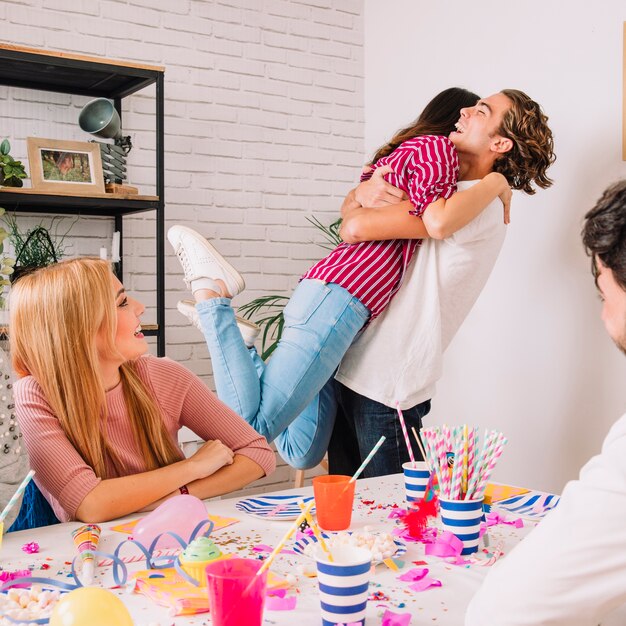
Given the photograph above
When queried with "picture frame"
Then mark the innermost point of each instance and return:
(65, 167)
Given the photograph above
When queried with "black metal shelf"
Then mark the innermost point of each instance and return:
(77, 205)
(62, 72)
(75, 74)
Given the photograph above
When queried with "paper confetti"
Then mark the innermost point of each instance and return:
(396, 619)
(31, 548)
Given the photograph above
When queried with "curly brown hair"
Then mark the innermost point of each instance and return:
(526, 126)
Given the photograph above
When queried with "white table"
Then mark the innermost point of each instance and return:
(442, 606)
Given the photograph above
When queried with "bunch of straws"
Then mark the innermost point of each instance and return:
(466, 478)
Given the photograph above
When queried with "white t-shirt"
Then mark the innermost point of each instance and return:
(571, 569)
(398, 357)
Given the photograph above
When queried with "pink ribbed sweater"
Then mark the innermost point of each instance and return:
(65, 479)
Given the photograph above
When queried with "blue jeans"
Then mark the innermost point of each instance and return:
(321, 321)
(359, 424)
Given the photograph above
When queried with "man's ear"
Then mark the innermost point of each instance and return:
(500, 144)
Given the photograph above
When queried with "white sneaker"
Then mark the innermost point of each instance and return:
(249, 330)
(202, 263)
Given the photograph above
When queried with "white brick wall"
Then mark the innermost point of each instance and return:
(264, 125)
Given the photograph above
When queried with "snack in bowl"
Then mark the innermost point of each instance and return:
(382, 545)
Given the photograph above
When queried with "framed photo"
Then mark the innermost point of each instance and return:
(67, 167)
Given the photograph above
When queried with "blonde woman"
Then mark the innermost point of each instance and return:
(100, 417)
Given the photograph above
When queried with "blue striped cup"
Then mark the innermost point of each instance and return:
(415, 480)
(462, 518)
(343, 584)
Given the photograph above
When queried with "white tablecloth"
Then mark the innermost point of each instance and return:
(442, 606)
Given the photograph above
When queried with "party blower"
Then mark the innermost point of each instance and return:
(86, 540)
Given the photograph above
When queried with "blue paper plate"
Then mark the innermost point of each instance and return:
(534, 504)
(278, 508)
(302, 543)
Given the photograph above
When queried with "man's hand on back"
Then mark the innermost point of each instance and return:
(377, 192)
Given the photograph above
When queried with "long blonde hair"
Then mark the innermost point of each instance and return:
(56, 314)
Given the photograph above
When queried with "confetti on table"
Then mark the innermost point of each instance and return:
(278, 600)
(31, 547)
(425, 583)
(415, 574)
(396, 619)
(6, 576)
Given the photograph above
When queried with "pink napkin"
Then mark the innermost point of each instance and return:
(445, 545)
(396, 619)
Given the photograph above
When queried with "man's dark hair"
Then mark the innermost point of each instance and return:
(604, 232)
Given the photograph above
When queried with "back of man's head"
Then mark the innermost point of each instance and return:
(533, 147)
(604, 232)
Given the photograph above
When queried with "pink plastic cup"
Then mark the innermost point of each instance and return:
(236, 593)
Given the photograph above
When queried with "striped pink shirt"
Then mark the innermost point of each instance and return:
(63, 476)
(426, 169)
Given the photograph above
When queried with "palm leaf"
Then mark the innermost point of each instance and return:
(267, 311)
(330, 232)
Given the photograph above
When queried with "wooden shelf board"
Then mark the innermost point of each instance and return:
(81, 57)
(111, 196)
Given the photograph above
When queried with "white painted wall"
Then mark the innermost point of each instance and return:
(532, 358)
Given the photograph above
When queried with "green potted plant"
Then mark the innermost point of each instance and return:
(6, 270)
(36, 247)
(11, 171)
(272, 306)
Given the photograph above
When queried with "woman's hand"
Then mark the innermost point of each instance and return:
(505, 194)
(213, 455)
(377, 192)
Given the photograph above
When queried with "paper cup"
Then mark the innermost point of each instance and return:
(334, 498)
(415, 480)
(236, 593)
(343, 584)
(462, 518)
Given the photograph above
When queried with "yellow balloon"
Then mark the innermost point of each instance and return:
(90, 606)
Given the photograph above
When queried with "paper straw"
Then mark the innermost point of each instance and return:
(419, 443)
(317, 532)
(440, 452)
(497, 451)
(285, 539)
(457, 469)
(368, 458)
(430, 447)
(471, 456)
(465, 460)
(406, 435)
(16, 495)
(479, 464)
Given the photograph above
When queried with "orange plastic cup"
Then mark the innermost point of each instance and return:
(334, 497)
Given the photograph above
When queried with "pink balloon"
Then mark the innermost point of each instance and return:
(180, 515)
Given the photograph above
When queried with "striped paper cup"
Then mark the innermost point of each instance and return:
(343, 584)
(462, 518)
(415, 480)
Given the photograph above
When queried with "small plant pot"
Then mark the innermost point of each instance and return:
(22, 270)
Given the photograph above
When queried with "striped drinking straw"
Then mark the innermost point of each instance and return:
(406, 435)
(16, 495)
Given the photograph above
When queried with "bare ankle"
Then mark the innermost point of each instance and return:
(205, 294)
(222, 285)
